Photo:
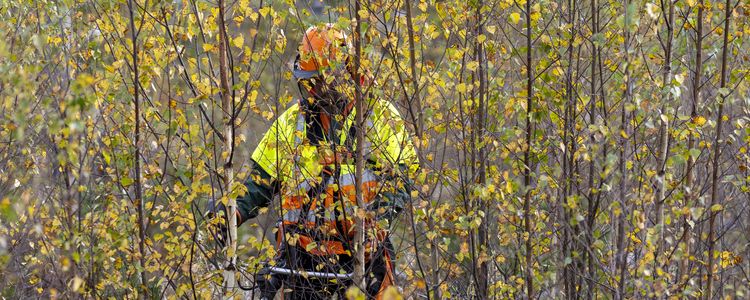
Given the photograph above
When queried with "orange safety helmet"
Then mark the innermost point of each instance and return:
(319, 45)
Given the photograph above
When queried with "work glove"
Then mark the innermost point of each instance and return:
(391, 202)
(268, 282)
(220, 230)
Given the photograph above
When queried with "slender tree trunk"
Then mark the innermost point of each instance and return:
(569, 146)
(717, 154)
(228, 143)
(594, 98)
(482, 232)
(689, 181)
(621, 232)
(529, 282)
(623, 159)
(566, 176)
(137, 159)
(359, 231)
(434, 248)
(413, 67)
(663, 140)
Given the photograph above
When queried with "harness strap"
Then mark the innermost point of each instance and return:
(315, 191)
(336, 159)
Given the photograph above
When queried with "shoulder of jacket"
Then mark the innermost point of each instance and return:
(294, 108)
(385, 105)
(290, 114)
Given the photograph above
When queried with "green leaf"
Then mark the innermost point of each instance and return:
(343, 23)
(677, 160)
(695, 153)
(620, 21)
(311, 246)
(598, 39)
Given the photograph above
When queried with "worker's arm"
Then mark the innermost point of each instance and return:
(394, 196)
(270, 165)
(260, 191)
(393, 147)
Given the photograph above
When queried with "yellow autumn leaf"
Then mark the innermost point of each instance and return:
(391, 293)
(77, 283)
(461, 88)
(238, 41)
(515, 17)
(700, 120)
(690, 3)
(263, 12)
(207, 47)
(238, 20)
(472, 66)
(673, 183)
(558, 71)
(481, 38)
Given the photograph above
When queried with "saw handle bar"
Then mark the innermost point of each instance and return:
(277, 270)
(285, 271)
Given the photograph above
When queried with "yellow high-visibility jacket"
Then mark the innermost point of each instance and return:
(288, 160)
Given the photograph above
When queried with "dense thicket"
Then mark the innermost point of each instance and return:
(571, 149)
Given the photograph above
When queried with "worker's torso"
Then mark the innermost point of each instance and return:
(314, 158)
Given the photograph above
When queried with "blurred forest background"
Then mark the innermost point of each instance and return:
(568, 149)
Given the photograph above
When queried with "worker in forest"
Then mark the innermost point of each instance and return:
(308, 157)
